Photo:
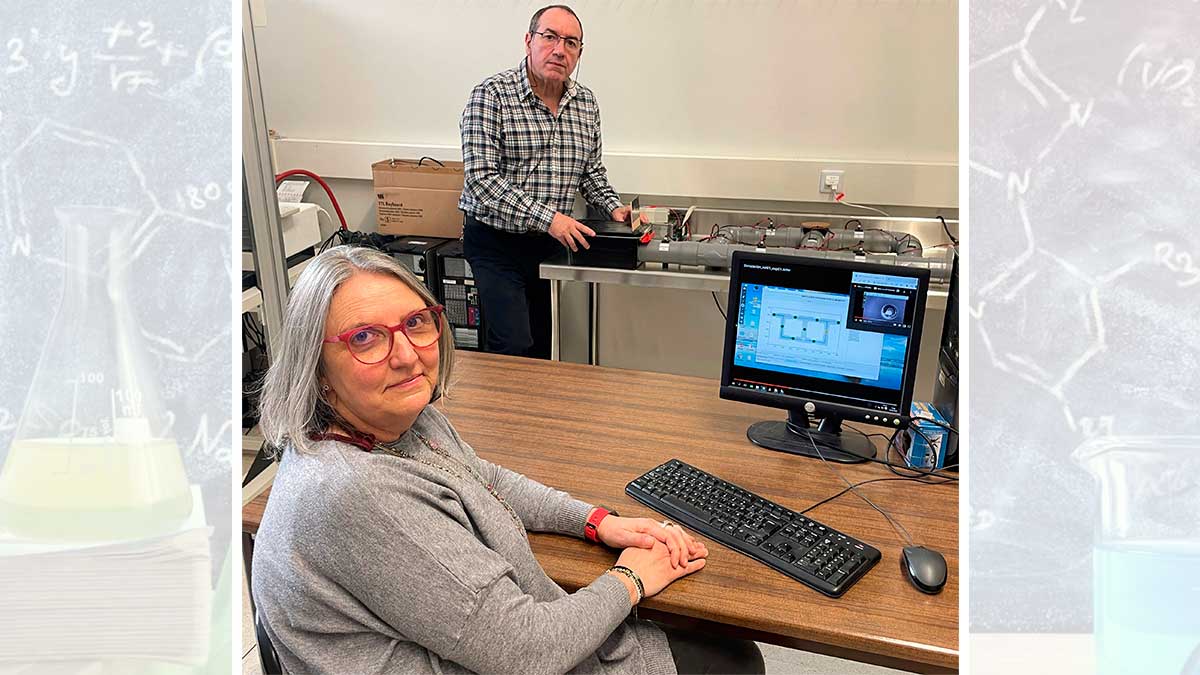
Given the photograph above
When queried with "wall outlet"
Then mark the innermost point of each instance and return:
(831, 181)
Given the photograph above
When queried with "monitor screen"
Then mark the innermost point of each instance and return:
(842, 335)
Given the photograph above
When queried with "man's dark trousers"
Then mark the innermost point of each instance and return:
(516, 303)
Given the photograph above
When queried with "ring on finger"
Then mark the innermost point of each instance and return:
(666, 523)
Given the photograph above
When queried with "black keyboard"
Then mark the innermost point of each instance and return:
(815, 555)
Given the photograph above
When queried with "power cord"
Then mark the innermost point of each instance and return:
(328, 191)
(941, 424)
(840, 199)
(891, 441)
(915, 472)
(947, 229)
(354, 238)
(718, 303)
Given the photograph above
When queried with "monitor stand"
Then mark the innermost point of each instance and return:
(846, 447)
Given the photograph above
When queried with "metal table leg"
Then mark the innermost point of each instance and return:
(554, 328)
(592, 339)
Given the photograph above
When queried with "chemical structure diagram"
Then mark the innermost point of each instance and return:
(1079, 263)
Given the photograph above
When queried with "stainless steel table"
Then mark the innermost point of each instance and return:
(695, 279)
(649, 275)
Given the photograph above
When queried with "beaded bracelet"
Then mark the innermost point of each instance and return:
(621, 569)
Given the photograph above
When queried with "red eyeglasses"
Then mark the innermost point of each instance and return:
(371, 344)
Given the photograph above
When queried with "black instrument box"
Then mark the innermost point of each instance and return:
(615, 245)
(417, 254)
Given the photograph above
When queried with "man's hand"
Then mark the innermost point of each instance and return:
(621, 215)
(569, 231)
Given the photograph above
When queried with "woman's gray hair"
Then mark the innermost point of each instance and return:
(290, 403)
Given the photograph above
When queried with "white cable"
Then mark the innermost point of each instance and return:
(860, 206)
(329, 218)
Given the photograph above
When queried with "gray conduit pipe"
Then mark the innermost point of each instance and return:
(872, 240)
(719, 255)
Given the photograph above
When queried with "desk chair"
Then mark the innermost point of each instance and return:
(267, 655)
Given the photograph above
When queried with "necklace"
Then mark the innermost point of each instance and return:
(393, 448)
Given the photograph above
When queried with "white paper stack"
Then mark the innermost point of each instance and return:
(147, 599)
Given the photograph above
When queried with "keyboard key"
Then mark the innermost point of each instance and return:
(687, 508)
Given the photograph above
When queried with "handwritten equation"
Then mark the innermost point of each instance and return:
(132, 57)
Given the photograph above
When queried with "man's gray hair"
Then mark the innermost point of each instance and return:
(537, 17)
(290, 404)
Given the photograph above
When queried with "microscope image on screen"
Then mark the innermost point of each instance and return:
(882, 308)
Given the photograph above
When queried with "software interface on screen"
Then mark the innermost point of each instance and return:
(829, 335)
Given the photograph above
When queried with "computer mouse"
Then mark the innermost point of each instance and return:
(924, 568)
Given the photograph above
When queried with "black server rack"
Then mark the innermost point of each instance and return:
(457, 291)
(417, 254)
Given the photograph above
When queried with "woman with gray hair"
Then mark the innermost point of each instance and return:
(388, 546)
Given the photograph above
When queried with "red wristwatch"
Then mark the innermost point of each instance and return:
(591, 529)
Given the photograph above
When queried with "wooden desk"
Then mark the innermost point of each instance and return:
(590, 430)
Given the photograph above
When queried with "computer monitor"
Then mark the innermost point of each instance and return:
(827, 338)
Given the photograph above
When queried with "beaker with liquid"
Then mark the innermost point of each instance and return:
(92, 458)
(1146, 567)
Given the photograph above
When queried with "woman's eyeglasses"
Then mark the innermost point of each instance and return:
(372, 344)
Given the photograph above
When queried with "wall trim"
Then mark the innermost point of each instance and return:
(891, 182)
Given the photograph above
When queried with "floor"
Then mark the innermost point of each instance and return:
(250, 663)
(779, 660)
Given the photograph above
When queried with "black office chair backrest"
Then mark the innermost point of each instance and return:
(266, 651)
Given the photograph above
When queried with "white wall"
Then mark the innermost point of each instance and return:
(738, 99)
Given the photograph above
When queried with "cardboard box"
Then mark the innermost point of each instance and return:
(418, 197)
(919, 453)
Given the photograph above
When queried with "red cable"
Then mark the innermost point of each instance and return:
(304, 172)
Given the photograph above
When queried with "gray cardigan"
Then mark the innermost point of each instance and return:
(371, 563)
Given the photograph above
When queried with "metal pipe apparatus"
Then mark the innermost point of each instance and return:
(874, 245)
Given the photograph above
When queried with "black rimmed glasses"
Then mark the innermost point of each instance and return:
(372, 344)
(551, 38)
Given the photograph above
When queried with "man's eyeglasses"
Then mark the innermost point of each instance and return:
(372, 344)
(551, 38)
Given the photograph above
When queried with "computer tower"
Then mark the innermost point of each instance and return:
(417, 255)
(457, 291)
(949, 344)
(945, 389)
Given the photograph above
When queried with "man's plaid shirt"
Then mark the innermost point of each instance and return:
(521, 163)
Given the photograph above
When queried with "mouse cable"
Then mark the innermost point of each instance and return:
(915, 479)
(900, 529)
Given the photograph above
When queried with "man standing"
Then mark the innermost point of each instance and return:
(530, 139)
